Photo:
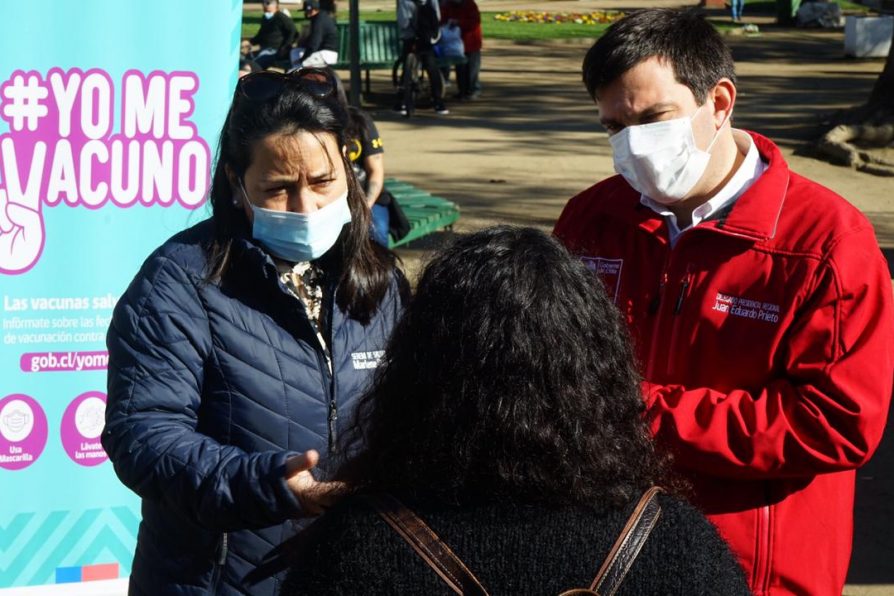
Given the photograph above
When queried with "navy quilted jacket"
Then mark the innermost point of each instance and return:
(211, 388)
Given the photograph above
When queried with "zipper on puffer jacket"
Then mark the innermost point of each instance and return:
(333, 424)
(222, 551)
(217, 574)
(327, 366)
(332, 404)
(332, 418)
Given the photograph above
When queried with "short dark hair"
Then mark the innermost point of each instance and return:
(684, 38)
(510, 376)
(366, 269)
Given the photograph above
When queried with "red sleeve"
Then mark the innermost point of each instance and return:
(826, 410)
(470, 17)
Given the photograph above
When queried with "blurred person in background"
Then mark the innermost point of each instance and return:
(320, 48)
(274, 39)
(465, 15)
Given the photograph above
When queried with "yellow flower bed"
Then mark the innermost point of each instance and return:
(580, 18)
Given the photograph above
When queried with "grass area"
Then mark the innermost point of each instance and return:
(491, 28)
(494, 29)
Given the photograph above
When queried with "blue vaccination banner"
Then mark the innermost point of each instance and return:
(109, 114)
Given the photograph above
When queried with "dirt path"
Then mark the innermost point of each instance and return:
(532, 141)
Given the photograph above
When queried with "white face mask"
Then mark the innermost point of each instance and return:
(660, 159)
(268, 15)
(297, 237)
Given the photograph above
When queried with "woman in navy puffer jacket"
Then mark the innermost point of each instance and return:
(239, 349)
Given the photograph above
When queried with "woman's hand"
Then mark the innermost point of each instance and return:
(314, 496)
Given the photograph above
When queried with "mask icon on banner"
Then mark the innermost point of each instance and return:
(661, 159)
(16, 421)
(297, 237)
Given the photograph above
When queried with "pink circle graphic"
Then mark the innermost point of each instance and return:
(82, 424)
(23, 431)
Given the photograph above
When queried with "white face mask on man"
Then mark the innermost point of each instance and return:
(661, 159)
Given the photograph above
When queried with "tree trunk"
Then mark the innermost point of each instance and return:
(861, 137)
(882, 96)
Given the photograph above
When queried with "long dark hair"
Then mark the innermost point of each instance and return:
(366, 268)
(356, 122)
(510, 375)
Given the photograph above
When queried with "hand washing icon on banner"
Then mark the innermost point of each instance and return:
(61, 148)
(90, 417)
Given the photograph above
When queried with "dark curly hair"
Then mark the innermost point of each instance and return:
(510, 375)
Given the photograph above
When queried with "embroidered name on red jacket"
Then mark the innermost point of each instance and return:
(746, 308)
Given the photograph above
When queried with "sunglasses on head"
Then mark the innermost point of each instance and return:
(266, 84)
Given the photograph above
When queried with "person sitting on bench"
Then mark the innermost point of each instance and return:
(321, 47)
(274, 38)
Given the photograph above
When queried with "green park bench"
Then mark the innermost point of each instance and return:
(425, 212)
(380, 48)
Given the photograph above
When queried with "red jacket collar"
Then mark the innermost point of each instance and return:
(754, 215)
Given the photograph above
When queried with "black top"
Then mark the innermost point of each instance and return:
(276, 32)
(368, 143)
(323, 34)
(514, 548)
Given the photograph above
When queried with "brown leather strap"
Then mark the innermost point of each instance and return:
(427, 545)
(626, 548)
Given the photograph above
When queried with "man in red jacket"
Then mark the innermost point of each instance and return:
(759, 301)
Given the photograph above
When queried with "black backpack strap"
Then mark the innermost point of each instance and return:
(626, 548)
(427, 545)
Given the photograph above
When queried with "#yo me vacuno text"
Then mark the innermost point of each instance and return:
(72, 141)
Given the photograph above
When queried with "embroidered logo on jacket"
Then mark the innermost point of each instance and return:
(609, 271)
(364, 360)
(746, 308)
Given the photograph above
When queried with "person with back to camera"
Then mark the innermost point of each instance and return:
(759, 301)
(418, 23)
(237, 354)
(320, 49)
(507, 415)
(274, 38)
(465, 15)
